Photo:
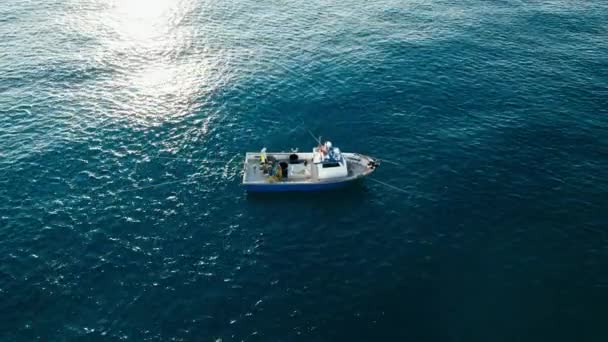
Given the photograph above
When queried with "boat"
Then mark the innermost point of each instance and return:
(325, 168)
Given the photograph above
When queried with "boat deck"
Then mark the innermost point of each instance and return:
(307, 173)
(255, 174)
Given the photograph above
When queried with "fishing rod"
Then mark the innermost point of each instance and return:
(318, 140)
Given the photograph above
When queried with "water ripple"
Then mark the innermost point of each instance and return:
(495, 113)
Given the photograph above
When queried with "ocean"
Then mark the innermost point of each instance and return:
(124, 123)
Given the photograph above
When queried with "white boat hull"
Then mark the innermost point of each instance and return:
(306, 178)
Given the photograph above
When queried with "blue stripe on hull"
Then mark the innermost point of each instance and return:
(287, 187)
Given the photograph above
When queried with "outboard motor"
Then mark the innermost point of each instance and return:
(373, 164)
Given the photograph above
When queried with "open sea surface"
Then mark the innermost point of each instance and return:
(495, 113)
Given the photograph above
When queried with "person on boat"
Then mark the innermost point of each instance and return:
(263, 156)
(321, 148)
(325, 150)
(279, 173)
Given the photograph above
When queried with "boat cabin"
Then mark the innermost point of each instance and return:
(329, 162)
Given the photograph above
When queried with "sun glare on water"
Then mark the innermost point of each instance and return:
(143, 19)
(150, 45)
(143, 8)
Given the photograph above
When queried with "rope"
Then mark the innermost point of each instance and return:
(180, 180)
(193, 159)
(389, 185)
(226, 167)
(359, 122)
(157, 185)
(387, 161)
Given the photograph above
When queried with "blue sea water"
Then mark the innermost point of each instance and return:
(496, 113)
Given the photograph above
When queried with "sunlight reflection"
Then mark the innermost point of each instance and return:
(157, 65)
(148, 35)
(143, 8)
(141, 19)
